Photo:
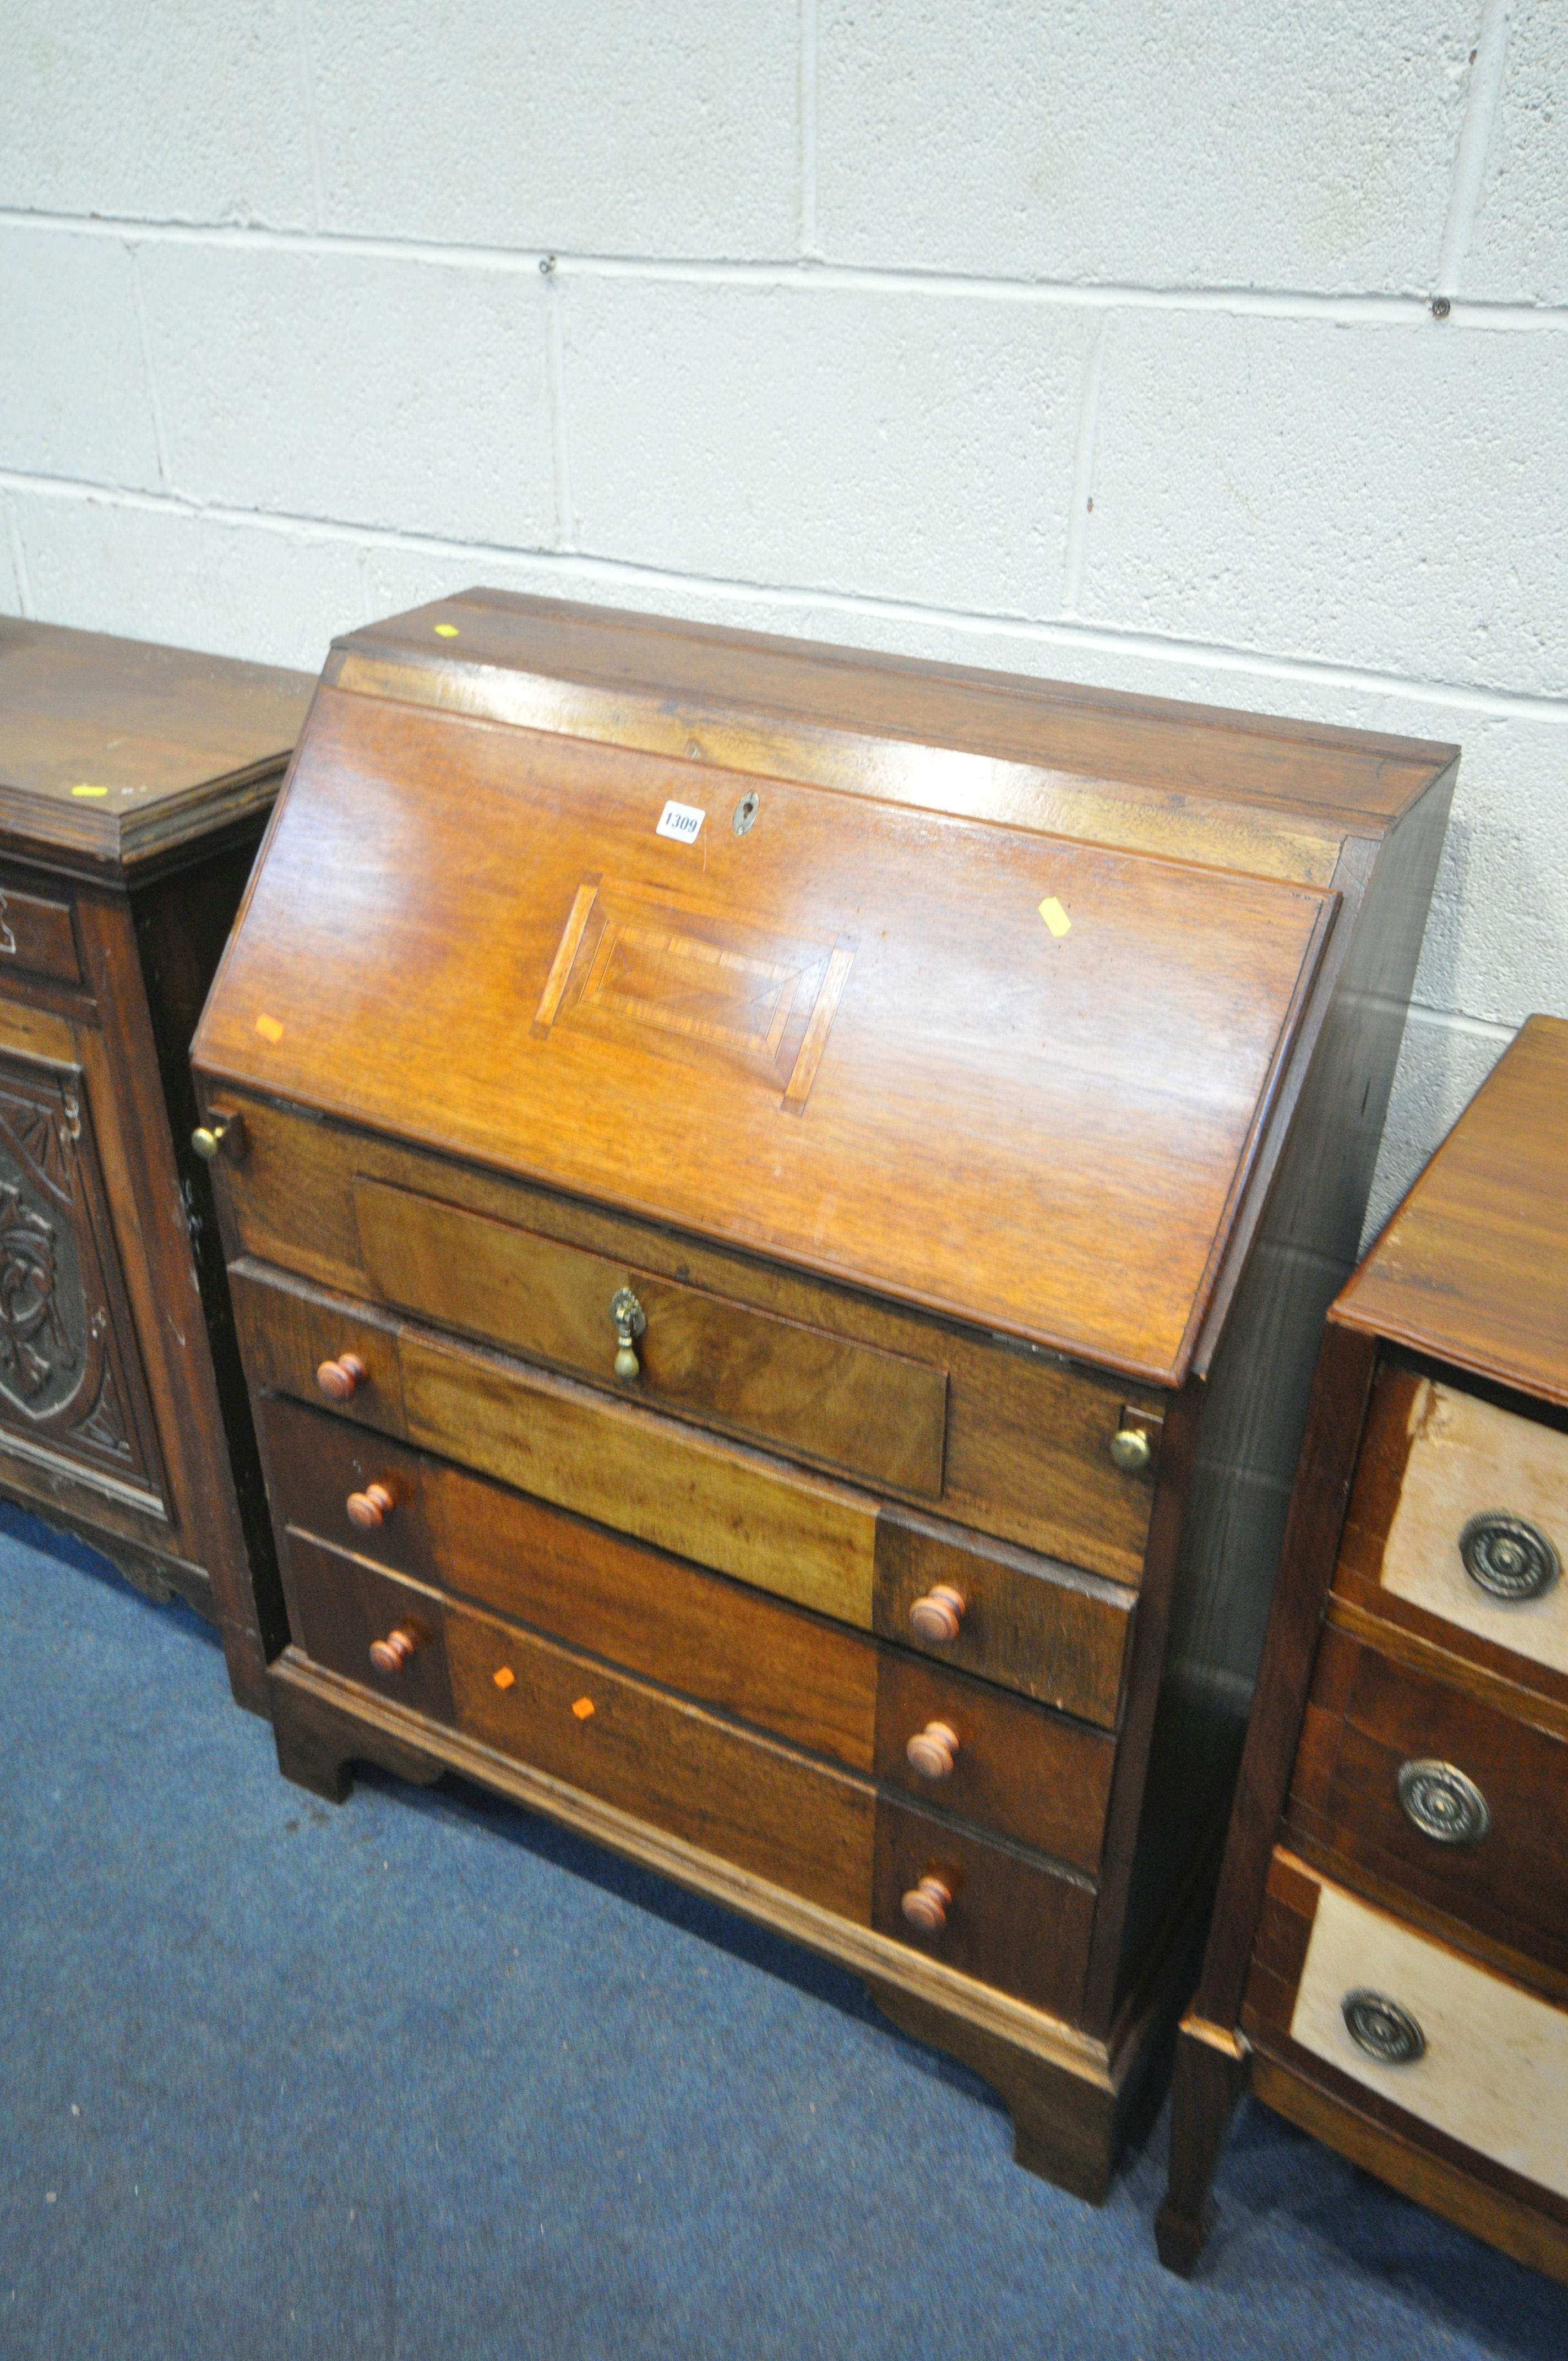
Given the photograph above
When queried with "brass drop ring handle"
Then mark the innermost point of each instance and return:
(629, 1322)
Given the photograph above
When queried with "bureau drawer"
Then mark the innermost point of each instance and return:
(1025, 1450)
(1059, 1636)
(1458, 1525)
(1030, 1774)
(1437, 2040)
(1437, 1793)
(1012, 1921)
(696, 1354)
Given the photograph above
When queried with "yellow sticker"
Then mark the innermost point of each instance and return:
(85, 790)
(269, 1029)
(1055, 916)
(505, 1678)
(446, 630)
(583, 1708)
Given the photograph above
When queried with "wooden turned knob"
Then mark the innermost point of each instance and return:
(937, 1616)
(926, 1905)
(341, 1379)
(933, 1751)
(371, 1508)
(390, 1654)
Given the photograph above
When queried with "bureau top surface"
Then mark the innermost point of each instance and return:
(109, 746)
(1474, 1266)
(1004, 1075)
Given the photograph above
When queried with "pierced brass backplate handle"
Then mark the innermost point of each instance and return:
(629, 1322)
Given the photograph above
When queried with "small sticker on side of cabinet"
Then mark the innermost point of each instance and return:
(584, 1709)
(682, 821)
(1055, 916)
(269, 1029)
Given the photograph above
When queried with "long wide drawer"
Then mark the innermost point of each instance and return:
(1431, 2036)
(877, 1414)
(1010, 1919)
(1055, 1634)
(1030, 1773)
(1009, 1440)
(1436, 1792)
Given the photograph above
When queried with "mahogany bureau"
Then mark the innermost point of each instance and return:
(780, 1205)
(134, 782)
(1389, 1964)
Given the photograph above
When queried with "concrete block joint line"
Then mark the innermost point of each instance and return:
(1230, 371)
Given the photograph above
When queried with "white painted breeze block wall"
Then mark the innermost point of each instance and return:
(1094, 340)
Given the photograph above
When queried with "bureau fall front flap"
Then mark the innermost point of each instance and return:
(1012, 1078)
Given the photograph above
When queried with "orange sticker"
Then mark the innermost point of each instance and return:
(505, 1678)
(583, 1708)
(446, 630)
(269, 1029)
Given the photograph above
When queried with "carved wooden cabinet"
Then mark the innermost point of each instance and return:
(1389, 1964)
(134, 782)
(780, 1205)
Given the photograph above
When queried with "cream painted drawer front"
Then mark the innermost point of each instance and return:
(1494, 2071)
(1468, 1458)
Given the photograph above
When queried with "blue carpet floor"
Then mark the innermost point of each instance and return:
(422, 2078)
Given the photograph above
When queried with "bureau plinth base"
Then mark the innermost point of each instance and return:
(1067, 2122)
(318, 1743)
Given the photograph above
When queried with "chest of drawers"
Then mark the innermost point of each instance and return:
(1389, 1963)
(134, 782)
(779, 1205)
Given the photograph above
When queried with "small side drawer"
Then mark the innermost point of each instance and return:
(1033, 1775)
(1459, 1519)
(38, 936)
(1437, 1793)
(340, 1608)
(698, 1355)
(1010, 1919)
(1446, 2044)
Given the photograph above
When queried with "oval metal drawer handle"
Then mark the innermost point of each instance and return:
(1442, 1803)
(630, 1324)
(936, 1618)
(390, 1654)
(933, 1751)
(371, 1508)
(926, 1905)
(1507, 1557)
(341, 1379)
(1384, 2029)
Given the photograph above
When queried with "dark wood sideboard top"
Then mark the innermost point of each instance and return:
(114, 751)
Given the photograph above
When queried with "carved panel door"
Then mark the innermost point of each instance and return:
(71, 1379)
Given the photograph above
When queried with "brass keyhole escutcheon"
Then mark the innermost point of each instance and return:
(629, 1322)
(746, 811)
